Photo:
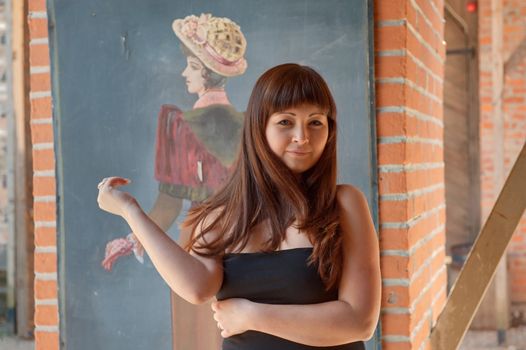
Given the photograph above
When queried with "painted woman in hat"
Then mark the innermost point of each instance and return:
(194, 149)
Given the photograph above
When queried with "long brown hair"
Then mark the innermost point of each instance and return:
(262, 187)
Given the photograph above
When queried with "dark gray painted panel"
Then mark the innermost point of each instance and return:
(114, 63)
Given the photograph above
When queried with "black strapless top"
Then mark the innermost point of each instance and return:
(280, 277)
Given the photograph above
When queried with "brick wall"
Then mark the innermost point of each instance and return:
(410, 56)
(45, 284)
(513, 124)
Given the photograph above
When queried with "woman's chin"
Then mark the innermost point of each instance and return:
(298, 170)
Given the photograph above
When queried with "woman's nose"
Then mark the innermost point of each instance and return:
(300, 136)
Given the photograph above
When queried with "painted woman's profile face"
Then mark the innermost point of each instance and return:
(195, 83)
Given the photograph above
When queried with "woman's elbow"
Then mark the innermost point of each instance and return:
(368, 329)
(357, 335)
(197, 298)
(369, 332)
(361, 326)
(194, 297)
(363, 332)
(198, 294)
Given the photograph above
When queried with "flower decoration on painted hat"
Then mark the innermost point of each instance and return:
(217, 42)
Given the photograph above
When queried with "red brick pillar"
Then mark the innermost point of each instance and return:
(44, 190)
(410, 56)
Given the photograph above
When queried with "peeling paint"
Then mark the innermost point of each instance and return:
(392, 298)
(124, 45)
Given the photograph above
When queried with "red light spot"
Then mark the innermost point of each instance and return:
(471, 6)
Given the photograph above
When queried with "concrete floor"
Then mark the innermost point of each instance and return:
(487, 340)
(13, 343)
(474, 340)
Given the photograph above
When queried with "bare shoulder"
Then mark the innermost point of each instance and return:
(211, 217)
(208, 220)
(355, 217)
(211, 235)
(349, 196)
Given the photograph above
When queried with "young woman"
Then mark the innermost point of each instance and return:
(291, 257)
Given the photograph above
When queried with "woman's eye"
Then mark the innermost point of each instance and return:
(317, 123)
(284, 122)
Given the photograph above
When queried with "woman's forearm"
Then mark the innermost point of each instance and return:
(325, 324)
(186, 275)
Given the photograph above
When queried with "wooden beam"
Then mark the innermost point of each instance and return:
(482, 261)
(501, 306)
(516, 57)
(24, 243)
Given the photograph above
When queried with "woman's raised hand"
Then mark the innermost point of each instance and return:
(112, 200)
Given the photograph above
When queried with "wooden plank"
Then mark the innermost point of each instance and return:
(457, 89)
(501, 305)
(516, 57)
(24, 244)
(482, 261)
(473, 119)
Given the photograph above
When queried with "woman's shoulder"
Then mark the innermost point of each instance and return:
(213, 215)
(348, 195)
(347, 191)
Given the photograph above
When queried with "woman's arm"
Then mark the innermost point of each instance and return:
(324, 324)
(164, 212)
(353, 316)
(194, 278)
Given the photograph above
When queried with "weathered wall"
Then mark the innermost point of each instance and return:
(501, 139)
(515, 129)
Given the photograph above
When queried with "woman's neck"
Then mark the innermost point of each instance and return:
(211, 97)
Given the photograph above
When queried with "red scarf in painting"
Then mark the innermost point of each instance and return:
(195, 149)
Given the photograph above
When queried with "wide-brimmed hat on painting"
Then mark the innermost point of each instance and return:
(217, 42)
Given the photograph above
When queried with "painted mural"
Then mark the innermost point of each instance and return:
(195, 149)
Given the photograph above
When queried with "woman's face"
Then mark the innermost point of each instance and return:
(298, 136)
(195, 83)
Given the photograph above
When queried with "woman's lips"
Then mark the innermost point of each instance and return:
(299, 153)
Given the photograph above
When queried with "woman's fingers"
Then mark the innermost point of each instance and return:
(118, 181)
(215, 307)
(113, 181)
